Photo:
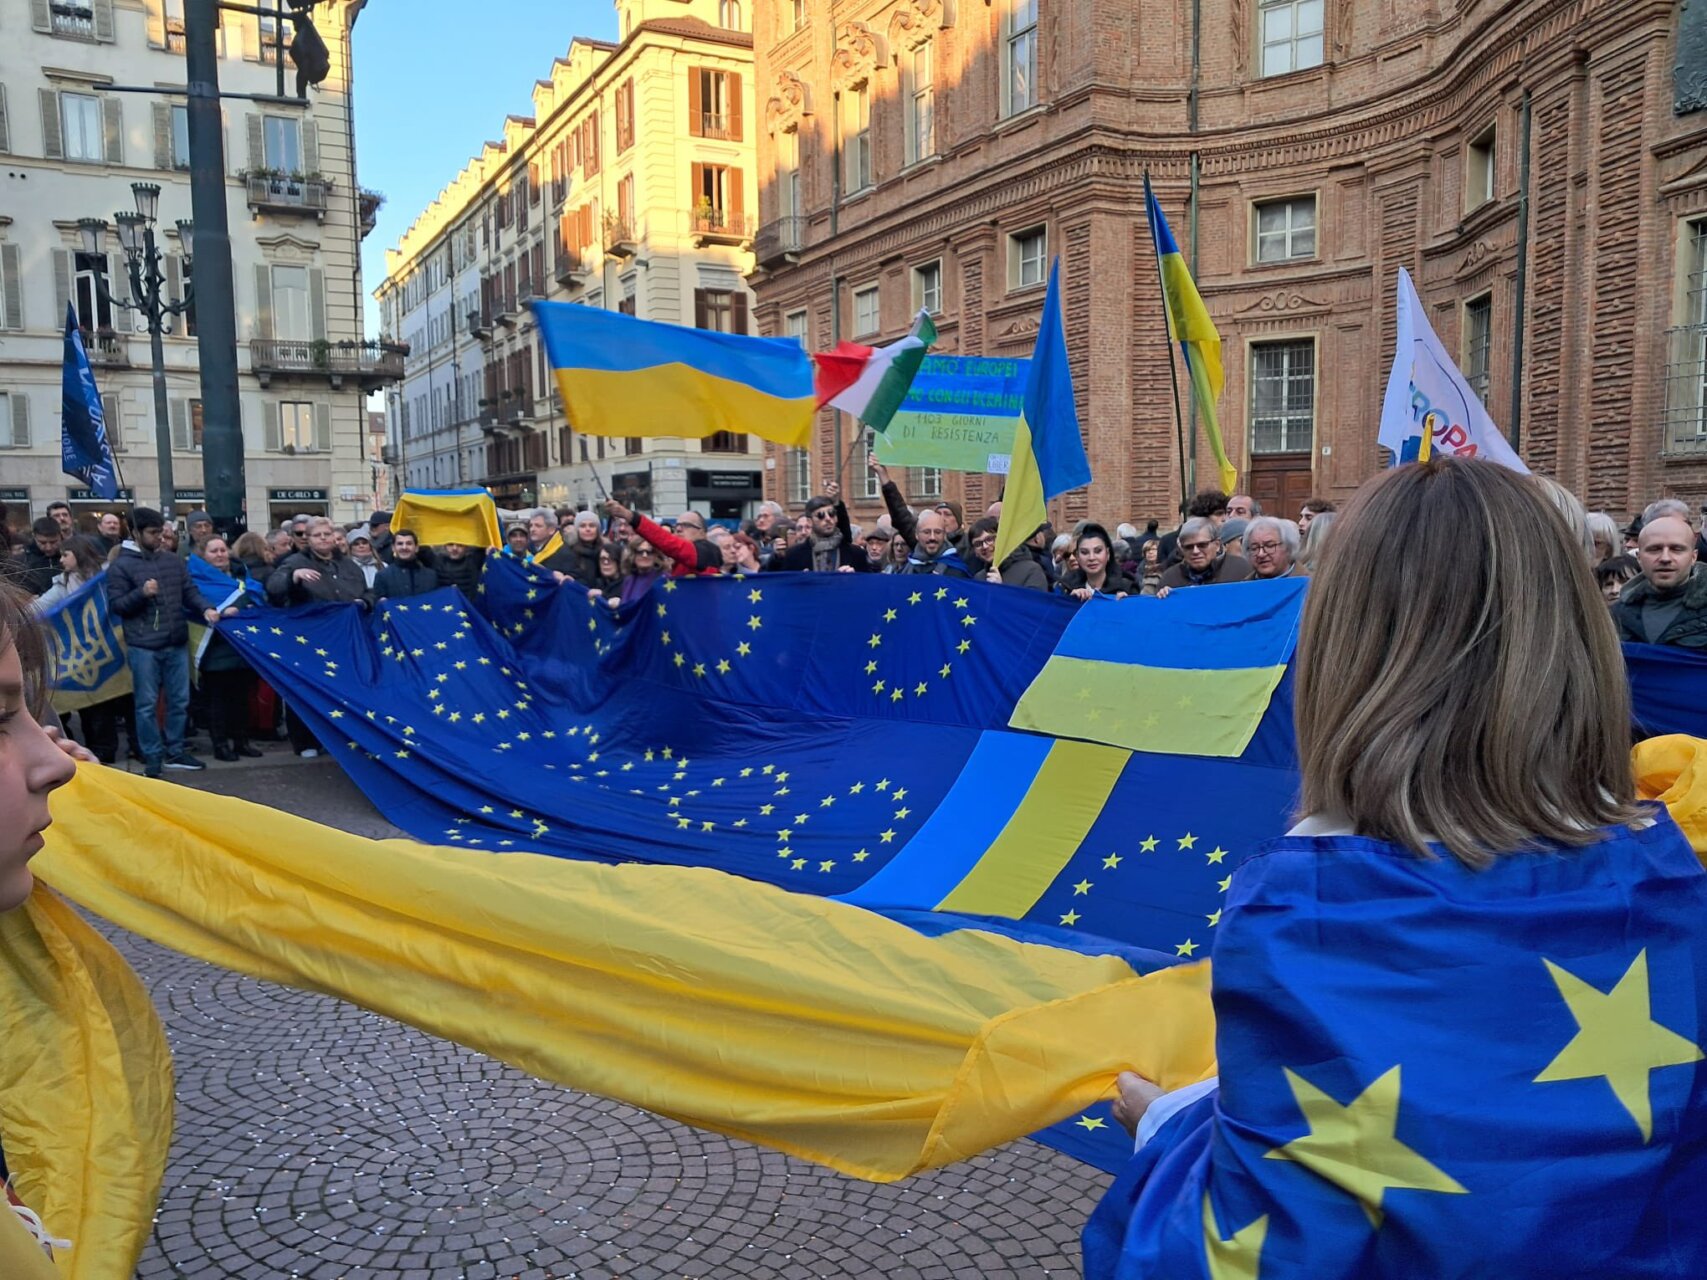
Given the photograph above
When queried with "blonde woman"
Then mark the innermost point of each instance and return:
(1461, 1007)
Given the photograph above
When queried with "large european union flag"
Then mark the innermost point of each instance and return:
(844, 735)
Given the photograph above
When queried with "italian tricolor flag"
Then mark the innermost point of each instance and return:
(871, 382)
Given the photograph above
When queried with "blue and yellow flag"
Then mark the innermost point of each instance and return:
(622, 376)
(91, 665)
(1190, 326)
(1048, 453)
(437, 516)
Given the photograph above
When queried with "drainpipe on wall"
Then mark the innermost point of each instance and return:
(1521, 301)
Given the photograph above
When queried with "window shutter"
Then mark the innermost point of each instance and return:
(323, 427)
(700, 312)
(175, 283)
(257, 143)
(162, 135)
(111, 415)
(179, 413)
(20, 420)
(11, 289)
(317, 303)
(52, 143)
(737, 197)
(5, 125)
(62, 285)
(263, 300)
(118, 285)
(310, 147)
(40, 17)
(154, 19)
(112, 113)
(740, 312)
(697, 191)
(272, 443)
(734, 83)
(696, 105)
(104, 21)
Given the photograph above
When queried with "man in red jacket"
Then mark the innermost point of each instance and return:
(687, 548)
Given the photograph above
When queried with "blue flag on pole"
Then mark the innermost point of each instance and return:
(84, 449)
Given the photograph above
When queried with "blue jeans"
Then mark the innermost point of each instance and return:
(152, 670)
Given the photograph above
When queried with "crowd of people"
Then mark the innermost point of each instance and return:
(1648, 570)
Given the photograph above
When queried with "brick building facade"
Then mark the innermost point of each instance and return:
(1542, 162)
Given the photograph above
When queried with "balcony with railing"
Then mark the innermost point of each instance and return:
(711, 225)
(371, 202)
(779, 240)
(287, 193)
(367, 365)
(717, 124)
(573, 268)
(1685, 427)
(620, 240)
(72, 21)
(106, 349)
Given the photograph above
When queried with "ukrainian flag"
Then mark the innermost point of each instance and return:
(1190, 326)
(437, 516)
(621, 376)
(1048, 454)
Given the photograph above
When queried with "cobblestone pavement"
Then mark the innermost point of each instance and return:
(317, 1140)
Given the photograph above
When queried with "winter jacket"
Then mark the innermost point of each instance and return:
(159, 621)
(463, 573)
(689, 557)
(575, 559)
(341, 578)
(1226, 569)
(1688, 630)
(400, 579)
(39, 569)
(1021, 569)
(64, 586)
(219, 655)
(1114, 583)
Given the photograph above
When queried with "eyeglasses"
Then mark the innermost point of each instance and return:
(1254, 547)
(1195, 546)
(684, 524)
(644, 551)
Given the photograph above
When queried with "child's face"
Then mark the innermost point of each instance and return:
(31, 767)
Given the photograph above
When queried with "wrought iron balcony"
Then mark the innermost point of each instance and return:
(367, 364)
(620, 241)
(106, 349)
(779, 240)
(371, 202)
(271, 193)
(573, 269)
(719, 226)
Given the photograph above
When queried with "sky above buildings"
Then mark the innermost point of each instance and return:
(434, 80)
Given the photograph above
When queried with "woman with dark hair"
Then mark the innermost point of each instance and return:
(1094, 572)
(642, 565)
(1461, 1007)
(79, 561)
(1019, 569)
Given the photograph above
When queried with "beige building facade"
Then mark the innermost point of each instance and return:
(631, 187)
(1540, 168)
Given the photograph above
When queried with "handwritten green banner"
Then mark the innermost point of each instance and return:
(959, 415)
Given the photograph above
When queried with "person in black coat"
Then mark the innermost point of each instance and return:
(459, 565)
(41, 557)
(319, 574)
(829, 546)
(405, 575)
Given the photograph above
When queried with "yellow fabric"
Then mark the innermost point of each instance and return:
(1023, 505)
(85, 1091)
(1189, 323)
(1064, 800)
(1163, 709)
(679, 400)
(1673, 770)
(21, 1257)
(437, 518)
(551, 547)
(797, 1022)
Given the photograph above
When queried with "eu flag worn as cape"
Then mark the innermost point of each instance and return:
(1428, 1070)
(85, 451)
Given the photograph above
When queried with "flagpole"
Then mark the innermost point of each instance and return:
(1168, 328)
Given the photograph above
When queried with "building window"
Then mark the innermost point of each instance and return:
(80, 122)
(281, 138)
(856, 138)
(920, 91)
(865, 317)
(1286, 229)
(14, 422)
(796, 14)
(725, 442)
(927, 288)
(1479, 171)
(71, 20)
(269, 38)
(1283, 396)
(799, 475)
(926, 482)
(720, 311)
(717, 198)
(624, 135)
(1686, 365)
(89, 291)
(1291, 35)
(731, 16)
(180, 137)
(1028, 258)
(1021, 79)
(1478, 344)
(868, 486)
(714, 108)
(788, 174)
(291, 319)
(296, 426)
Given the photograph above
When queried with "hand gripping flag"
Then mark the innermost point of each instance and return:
(84, 449)
(1048, 454)
(1425, 389)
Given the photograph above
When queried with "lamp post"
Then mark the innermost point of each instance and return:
(144, 265)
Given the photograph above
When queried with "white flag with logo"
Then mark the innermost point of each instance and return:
(1425, 391)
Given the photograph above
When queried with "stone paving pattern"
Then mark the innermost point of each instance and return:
(315, 1139)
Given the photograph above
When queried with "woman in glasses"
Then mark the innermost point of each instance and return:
(642, 565)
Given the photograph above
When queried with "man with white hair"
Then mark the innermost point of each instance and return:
(1272, 548)
(1202, 560)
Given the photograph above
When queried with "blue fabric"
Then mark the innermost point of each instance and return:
(84, 449)
(1049, 410)
(1343, 961)
(88, 647)
(1668, 689)
(216, 587)
(152, 672)
(1241, 624)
